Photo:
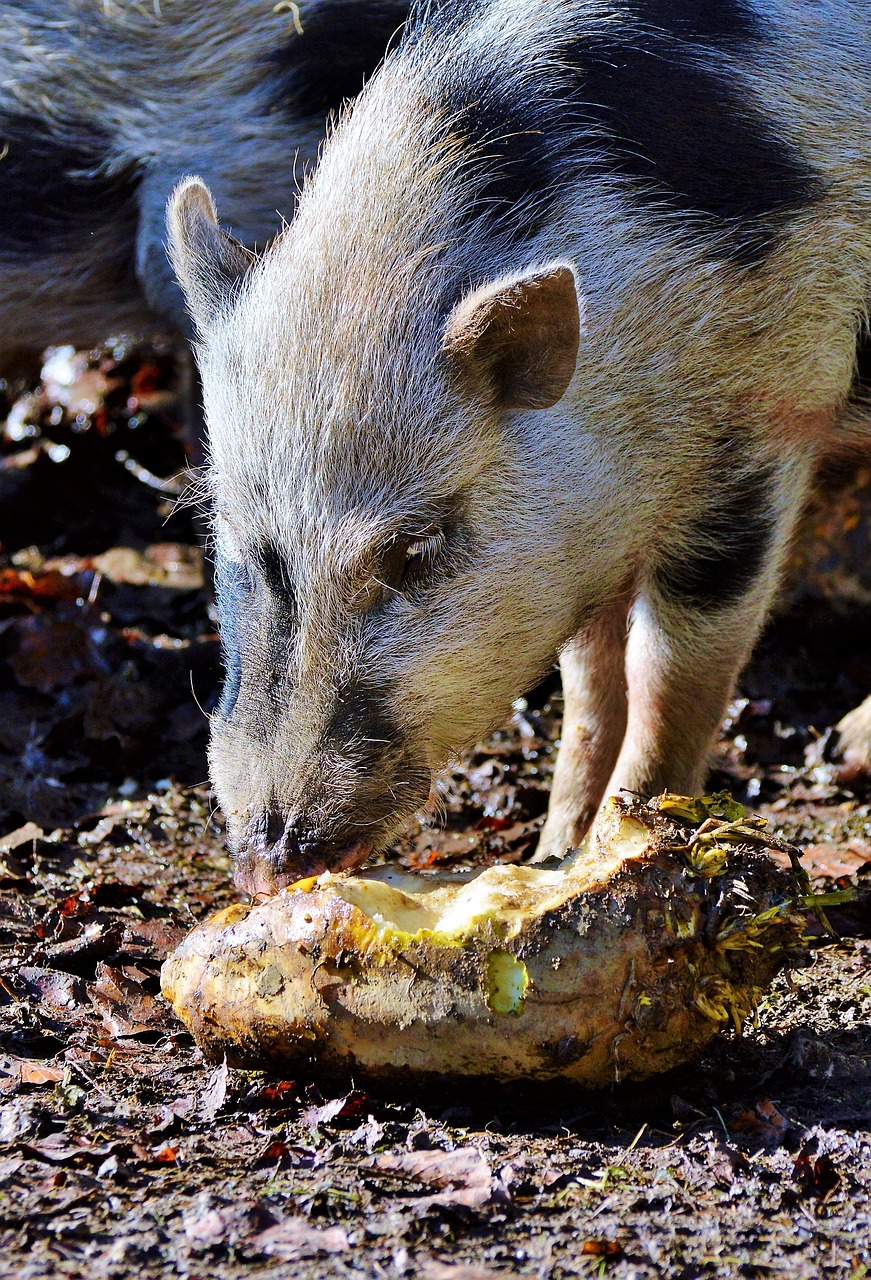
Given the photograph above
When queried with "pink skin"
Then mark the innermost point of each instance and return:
(813, 428)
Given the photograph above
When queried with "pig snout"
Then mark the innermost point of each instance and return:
(275, 851)
(314, 779)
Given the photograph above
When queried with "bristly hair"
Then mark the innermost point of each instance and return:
(636, 92)
(198, 493)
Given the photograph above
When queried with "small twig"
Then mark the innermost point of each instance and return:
(723, 1123)
(83, 1073)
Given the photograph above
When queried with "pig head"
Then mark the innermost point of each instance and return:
(388, 552)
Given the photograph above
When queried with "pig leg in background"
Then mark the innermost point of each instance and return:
(854, 740)
(681, 668)
(593, 669)
(691, 630)
(697, 618)
(853, 743)
(670, 697)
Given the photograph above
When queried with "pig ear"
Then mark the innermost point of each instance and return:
(518, 336)
(209, 263)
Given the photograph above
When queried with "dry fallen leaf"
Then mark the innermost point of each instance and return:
(315, 1116)
(50, 584)
(126, 1008)
(40, 1073)
(21, 836)
(165, 564)
(832, 861)
(208, 1224)
(20, 1119)
(763, 1124)
(463, 1178)
(433, 1269)
(296, 1238)
(599, 1247)
(29, 1071)
(279, 1092)
(215, 1092)
(816, 1175)
(368, 1134)
(50, 651)
(54, 987)
(61, 1148)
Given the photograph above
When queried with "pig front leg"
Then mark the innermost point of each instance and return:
(642, 713)
(593, 669)
(681, 668)
(694, 624)
(692, 630)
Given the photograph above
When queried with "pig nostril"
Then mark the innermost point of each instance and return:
(274, 827)
(278, 837)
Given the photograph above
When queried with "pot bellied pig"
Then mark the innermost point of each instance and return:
(542, 366)
(106, 105)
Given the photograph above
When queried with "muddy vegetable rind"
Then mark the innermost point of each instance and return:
(622, 964)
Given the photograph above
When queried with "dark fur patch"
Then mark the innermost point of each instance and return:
(517, 151)
(257, 614)
(272, 568)
(234, 589)
(716, 22)
(688, 141)
(728, 542)
(342, 43)
(364, 722)
(646, 100)
(53, 194)
(364, 731)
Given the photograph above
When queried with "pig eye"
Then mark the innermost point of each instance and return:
(403, 565)
(427, 545)
(420, 553)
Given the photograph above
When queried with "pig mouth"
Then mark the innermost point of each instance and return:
(263, 873)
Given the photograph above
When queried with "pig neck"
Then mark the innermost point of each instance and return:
(379, 252)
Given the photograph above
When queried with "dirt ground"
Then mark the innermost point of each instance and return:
(122, 1153)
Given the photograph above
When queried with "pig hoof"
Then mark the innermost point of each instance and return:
(563, 832)
(853, 743)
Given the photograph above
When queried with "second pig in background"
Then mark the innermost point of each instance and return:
(106, 106)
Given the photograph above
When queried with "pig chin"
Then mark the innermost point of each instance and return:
(263, 872)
